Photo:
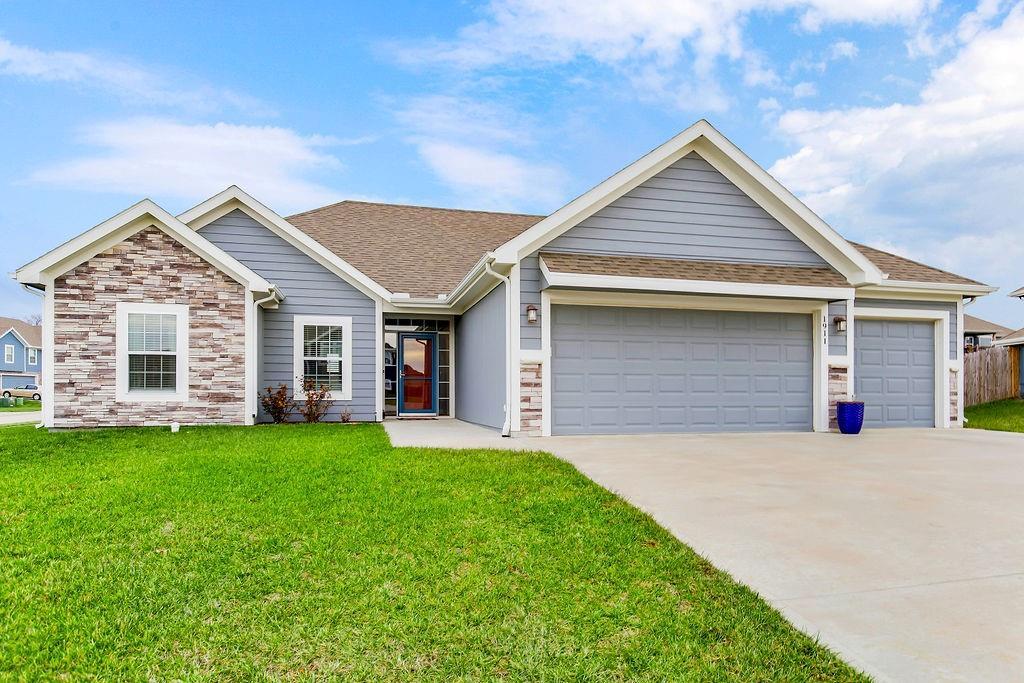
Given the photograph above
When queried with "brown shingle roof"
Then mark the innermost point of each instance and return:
(900, 268)
(679, 269)
(1015, 337)
(425, 251)
(33, 334)
(417, 250)
(974, 325)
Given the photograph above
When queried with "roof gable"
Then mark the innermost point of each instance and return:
(738, 168)
(27, 334)
(140, 216)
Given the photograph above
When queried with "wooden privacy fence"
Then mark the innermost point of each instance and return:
(991, 374)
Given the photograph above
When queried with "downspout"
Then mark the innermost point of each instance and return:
(506, 428)
(272, 294)
(24, 363)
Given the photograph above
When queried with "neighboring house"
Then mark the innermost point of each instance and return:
(22, 347)
(1016, 339)
(980, 333)
(689, 292)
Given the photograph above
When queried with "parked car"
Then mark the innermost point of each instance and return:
(31, 391)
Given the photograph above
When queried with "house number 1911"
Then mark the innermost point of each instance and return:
(824, 331)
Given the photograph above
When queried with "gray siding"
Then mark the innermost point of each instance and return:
(689, 211)
(954, 333)
(836, 341)
(480, 361)
(310, 289)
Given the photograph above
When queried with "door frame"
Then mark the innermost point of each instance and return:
(943, 365)
(401, 377)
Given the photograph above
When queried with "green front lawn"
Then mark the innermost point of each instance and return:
(1002, 416)
(320, 551)
(28, 407)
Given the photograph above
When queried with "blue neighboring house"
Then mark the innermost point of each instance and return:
(21, 353)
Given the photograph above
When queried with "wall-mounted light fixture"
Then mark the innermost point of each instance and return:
(531, 314)
(840, 323)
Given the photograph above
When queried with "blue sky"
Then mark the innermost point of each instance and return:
(900, 121)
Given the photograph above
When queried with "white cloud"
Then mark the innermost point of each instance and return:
(164, 158)
(469, 145)
(805, 89)
(843, 49)
(127, 81)
(939, 177)
(660, 47)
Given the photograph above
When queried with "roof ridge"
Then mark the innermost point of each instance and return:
(419, 206)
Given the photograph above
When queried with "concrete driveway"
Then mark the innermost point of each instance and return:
(903, 550)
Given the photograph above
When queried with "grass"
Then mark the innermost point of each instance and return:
(316, 551)
(1002, 416)
(28, 407)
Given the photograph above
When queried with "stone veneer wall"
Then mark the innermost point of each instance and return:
(954, 399)
(838, 381)
(148, 267)
(531, 399)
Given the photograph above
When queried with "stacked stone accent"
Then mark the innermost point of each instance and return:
(954, 399)
(838, 381)
(531, 399)
(148, 267)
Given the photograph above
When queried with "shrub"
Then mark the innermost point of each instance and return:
(316, 404)
(346, 415)
(277, 403)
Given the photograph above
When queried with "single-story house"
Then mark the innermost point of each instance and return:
(979, 333)
(22, 346)
(688, 292)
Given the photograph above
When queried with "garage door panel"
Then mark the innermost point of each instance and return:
(680, 370)
(894, 372)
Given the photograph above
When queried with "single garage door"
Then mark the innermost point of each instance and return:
(12, 381)
(894, 372)
(636, 370)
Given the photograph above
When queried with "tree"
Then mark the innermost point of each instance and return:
(33, 319)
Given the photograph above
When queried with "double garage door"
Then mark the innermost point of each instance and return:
(638, 370)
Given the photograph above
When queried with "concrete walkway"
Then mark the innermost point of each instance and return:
(901, 549)
(14, 418)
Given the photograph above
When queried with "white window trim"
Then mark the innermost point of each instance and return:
(33, 356)
(180, 395)
(8, 353)
(343, 321)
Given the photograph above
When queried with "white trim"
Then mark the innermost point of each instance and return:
(122, 394)
(654, 284)
(122, 226)
(959, 369)
(234, 197)
(48, 355)
(9, 347)
(942, 360)
(343, 321)
(251, 389)
(900, 287)
(33, 357)
(731, 162)
(378, 385)
(545, 369)
(819, 369)
(17, 335)
(850, 369)
(515, 342)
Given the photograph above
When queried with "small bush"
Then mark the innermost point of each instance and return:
(316, 404)
(277, 403)
(346, 415)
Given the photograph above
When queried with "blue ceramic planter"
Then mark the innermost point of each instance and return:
(850, 416)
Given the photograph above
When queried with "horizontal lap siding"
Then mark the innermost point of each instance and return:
(948, 306)
(309, 289)
(480, 361)
(836, 342)
(529, 294)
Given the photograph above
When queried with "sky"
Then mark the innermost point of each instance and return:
(901, 122)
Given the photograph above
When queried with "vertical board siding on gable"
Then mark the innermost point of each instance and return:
(950, 307)
(691, 211)
(309, 289)
(480, 361)
(836, 341)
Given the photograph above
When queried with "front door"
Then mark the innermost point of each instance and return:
(417, 375)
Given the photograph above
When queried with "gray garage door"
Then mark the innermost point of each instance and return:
(635, 370)
(894, 372)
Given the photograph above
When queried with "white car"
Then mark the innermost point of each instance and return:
(31, 391)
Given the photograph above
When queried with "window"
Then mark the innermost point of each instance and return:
(323, 354)
(33, 356)
(152, 352)
(8, 353)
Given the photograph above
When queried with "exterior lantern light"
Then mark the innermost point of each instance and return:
(531, 314)
(840, 323)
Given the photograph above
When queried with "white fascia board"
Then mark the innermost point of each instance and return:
(728, 159)
(235, 197)
(1017, 292)
(898, 287)
(653, 284)
(125, 224)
